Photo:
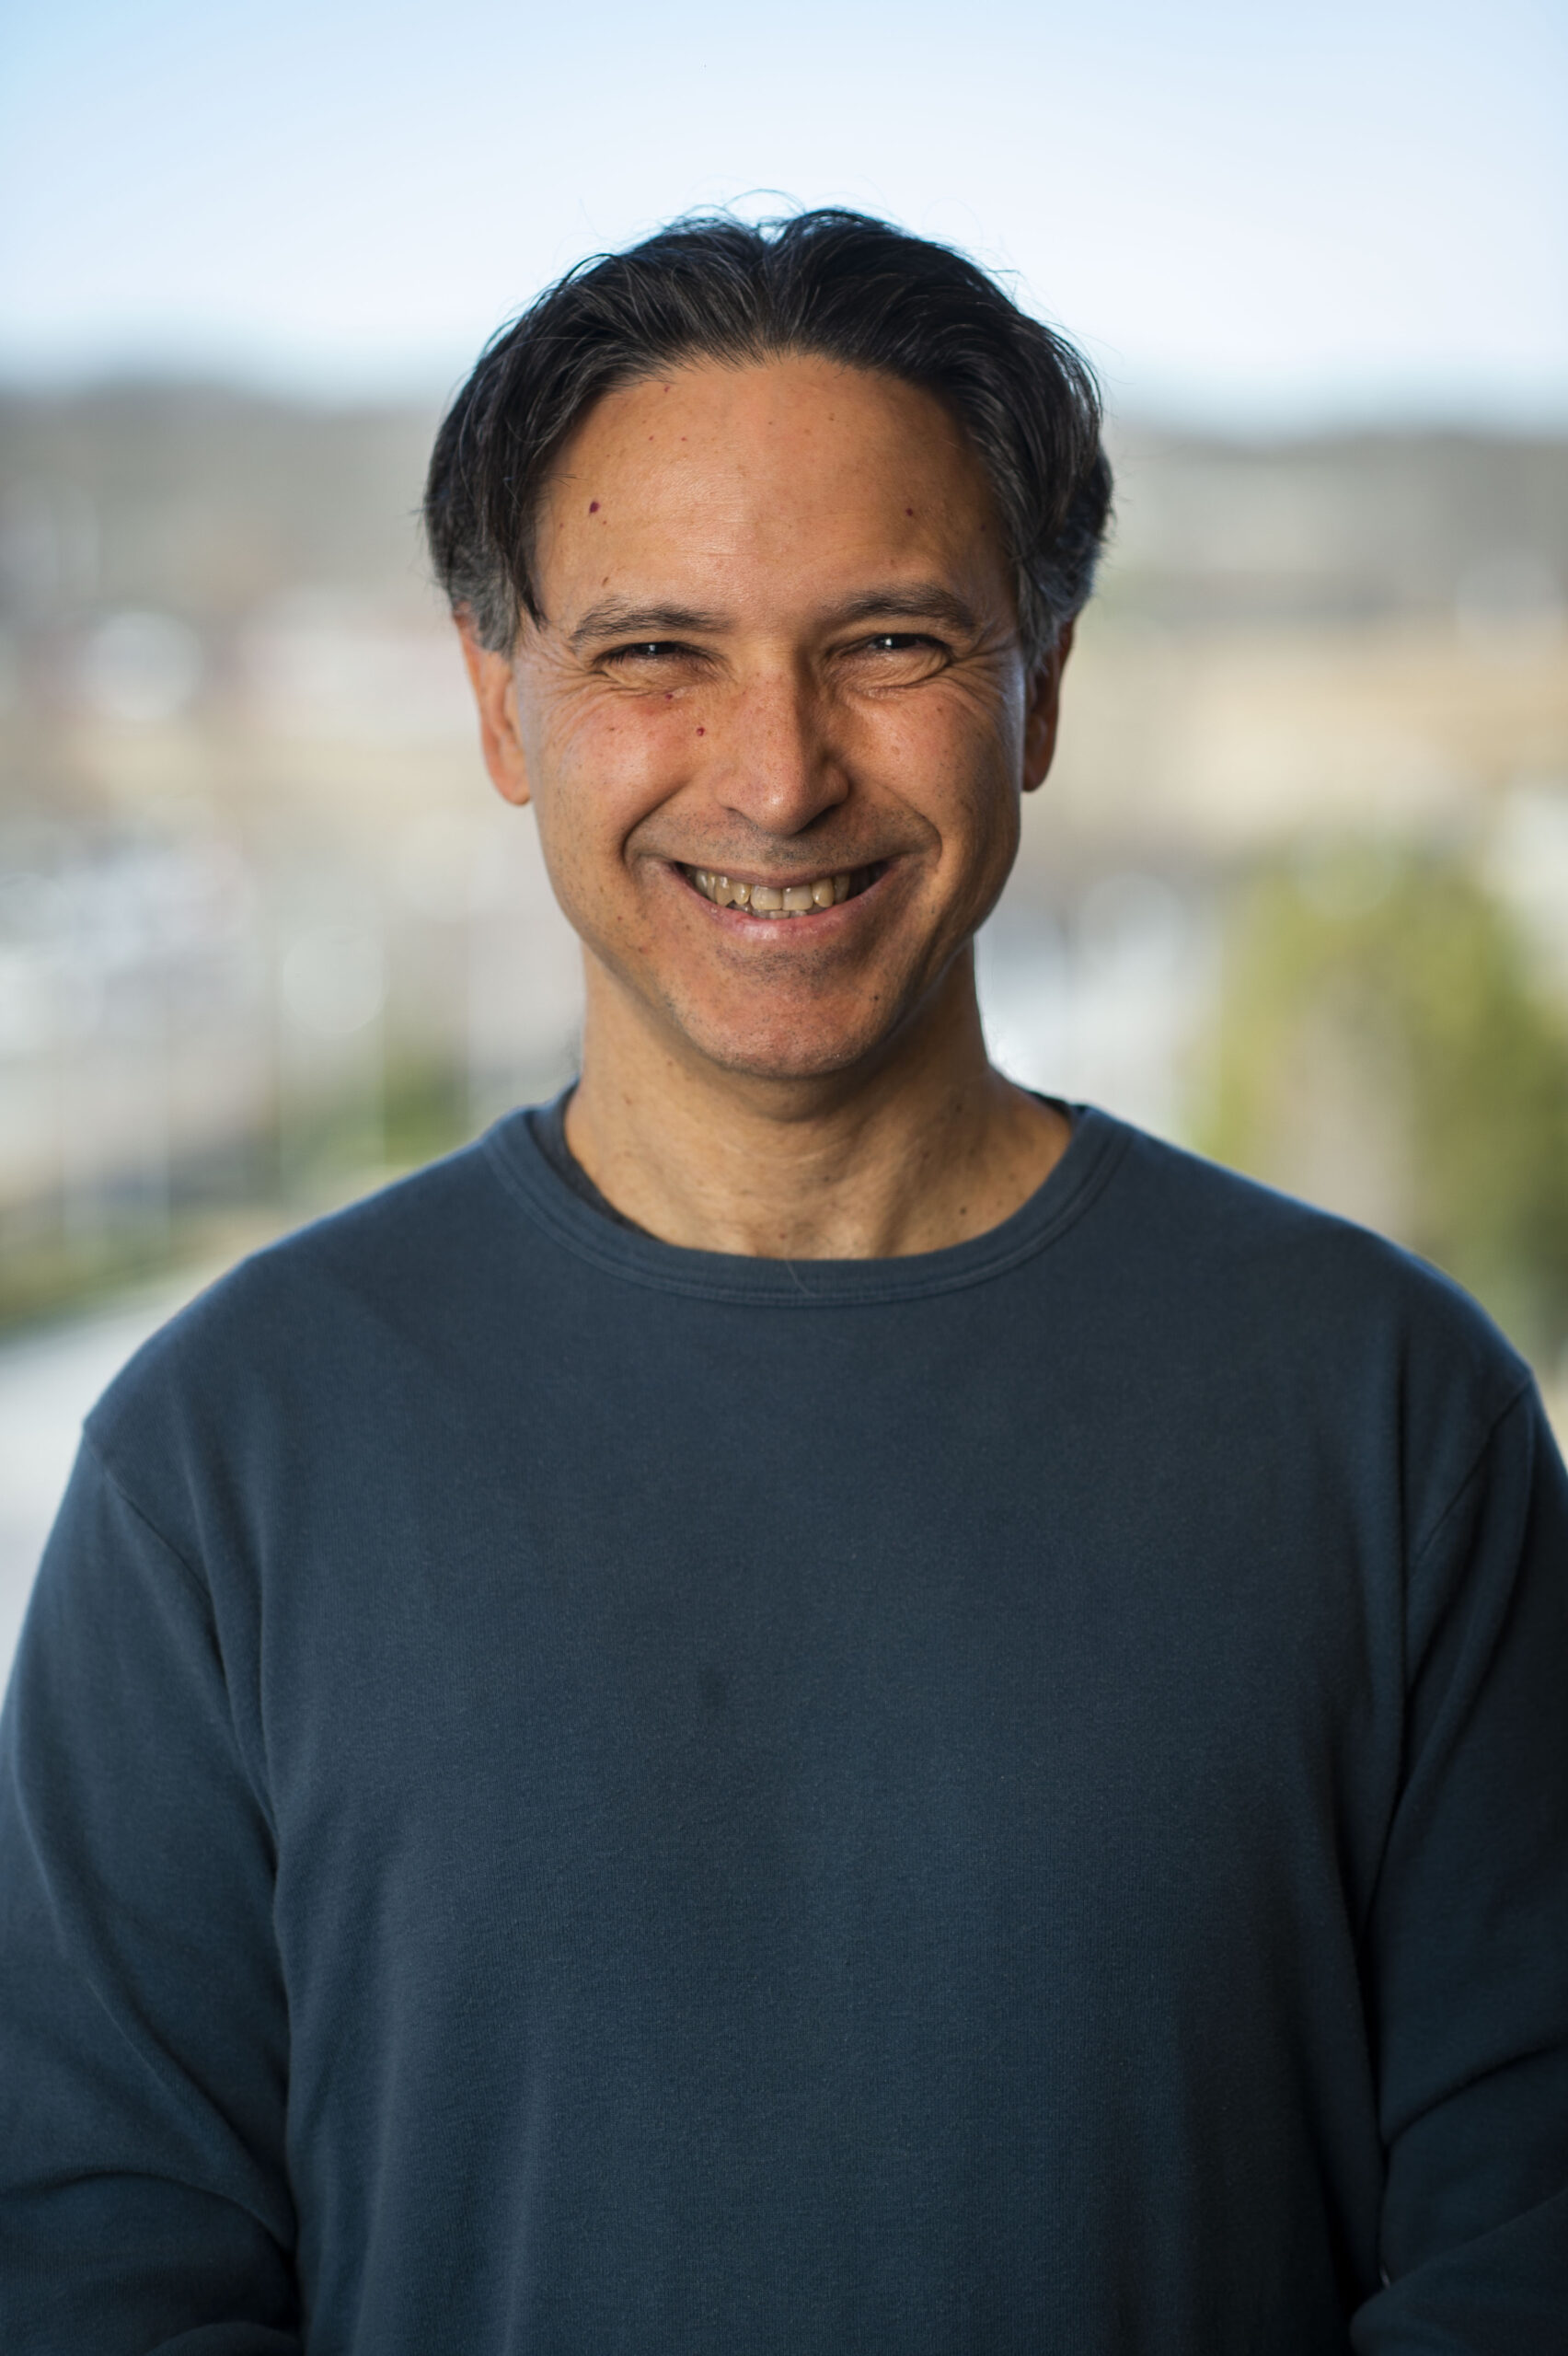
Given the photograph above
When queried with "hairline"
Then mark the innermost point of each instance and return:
(704, 293)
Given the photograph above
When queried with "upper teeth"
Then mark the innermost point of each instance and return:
(772, 899)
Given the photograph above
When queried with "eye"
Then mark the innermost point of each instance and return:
(902, 654)
(652, 649)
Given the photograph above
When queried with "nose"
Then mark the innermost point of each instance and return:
(780, 770)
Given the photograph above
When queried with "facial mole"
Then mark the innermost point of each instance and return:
(593, 507)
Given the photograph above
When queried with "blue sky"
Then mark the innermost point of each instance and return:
(1248, 214)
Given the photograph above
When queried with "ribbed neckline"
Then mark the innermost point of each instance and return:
(1096, 1146)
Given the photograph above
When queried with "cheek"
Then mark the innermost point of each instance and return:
(950, 756)
(602, 768)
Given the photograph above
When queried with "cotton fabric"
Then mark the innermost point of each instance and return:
(564, 1794)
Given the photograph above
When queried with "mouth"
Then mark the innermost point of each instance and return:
(808, 898)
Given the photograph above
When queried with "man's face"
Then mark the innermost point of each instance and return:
(779, 663)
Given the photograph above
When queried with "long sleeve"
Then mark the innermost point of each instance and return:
(1468, 1954)
(144, 2201)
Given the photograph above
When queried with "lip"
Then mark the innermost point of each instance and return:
(810, 924)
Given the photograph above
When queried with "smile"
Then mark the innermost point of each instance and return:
(782, 900)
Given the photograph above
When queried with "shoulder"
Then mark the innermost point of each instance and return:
(1318, 1272)
(326, 1316)
(1303, 1317)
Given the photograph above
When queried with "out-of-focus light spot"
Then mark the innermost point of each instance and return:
(1526, 864)
(140, 667)
(49, 548)
(334, 980)
(1511, 602)
(442, 874)
(318, 664)
(1345, 877)
(30, 904)
(25, 1026)
(1134, 919)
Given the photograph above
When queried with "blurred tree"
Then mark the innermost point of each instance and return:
(1382, 1048)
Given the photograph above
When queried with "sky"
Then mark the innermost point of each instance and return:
(1261, 215)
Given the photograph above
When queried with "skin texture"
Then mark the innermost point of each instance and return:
(780, 640)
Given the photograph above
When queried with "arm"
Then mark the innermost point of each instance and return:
(1468, 1947)
(144, 2201)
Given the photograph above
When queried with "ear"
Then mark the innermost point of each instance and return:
(494, 684)
(1044, 706)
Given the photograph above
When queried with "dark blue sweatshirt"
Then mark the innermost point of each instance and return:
(565, 1795)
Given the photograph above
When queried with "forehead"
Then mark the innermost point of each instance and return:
(795, 467)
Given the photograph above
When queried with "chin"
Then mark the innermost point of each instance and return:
(779, 1050)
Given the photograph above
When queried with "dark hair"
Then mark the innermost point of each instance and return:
(834, 283)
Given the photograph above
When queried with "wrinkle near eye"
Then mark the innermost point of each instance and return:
(665, 657)
(907, 656)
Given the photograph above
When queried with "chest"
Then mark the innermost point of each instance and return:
(753, 1652)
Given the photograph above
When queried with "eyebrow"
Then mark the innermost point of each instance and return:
(919, 601)
(925, 601)
(619, 617)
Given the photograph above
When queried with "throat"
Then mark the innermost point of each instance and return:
(859, 1181)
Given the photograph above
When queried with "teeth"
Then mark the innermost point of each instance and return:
(772, 899)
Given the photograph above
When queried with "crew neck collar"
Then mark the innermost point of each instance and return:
(1096, 1146)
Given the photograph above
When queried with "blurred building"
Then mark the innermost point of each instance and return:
(264, 930)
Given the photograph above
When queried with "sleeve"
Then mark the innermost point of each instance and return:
(144, 2197)
(1467, 1953)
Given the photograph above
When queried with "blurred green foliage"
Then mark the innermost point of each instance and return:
(1384, 1047)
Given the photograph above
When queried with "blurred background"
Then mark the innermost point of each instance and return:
(1297, 892)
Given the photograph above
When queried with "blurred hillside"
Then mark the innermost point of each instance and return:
(263, 928)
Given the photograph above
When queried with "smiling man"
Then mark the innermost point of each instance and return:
(775, 720)
(806, 1702)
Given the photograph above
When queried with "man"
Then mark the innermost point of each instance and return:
(808, 1704)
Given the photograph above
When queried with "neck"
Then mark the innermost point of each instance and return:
(927, 1149)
